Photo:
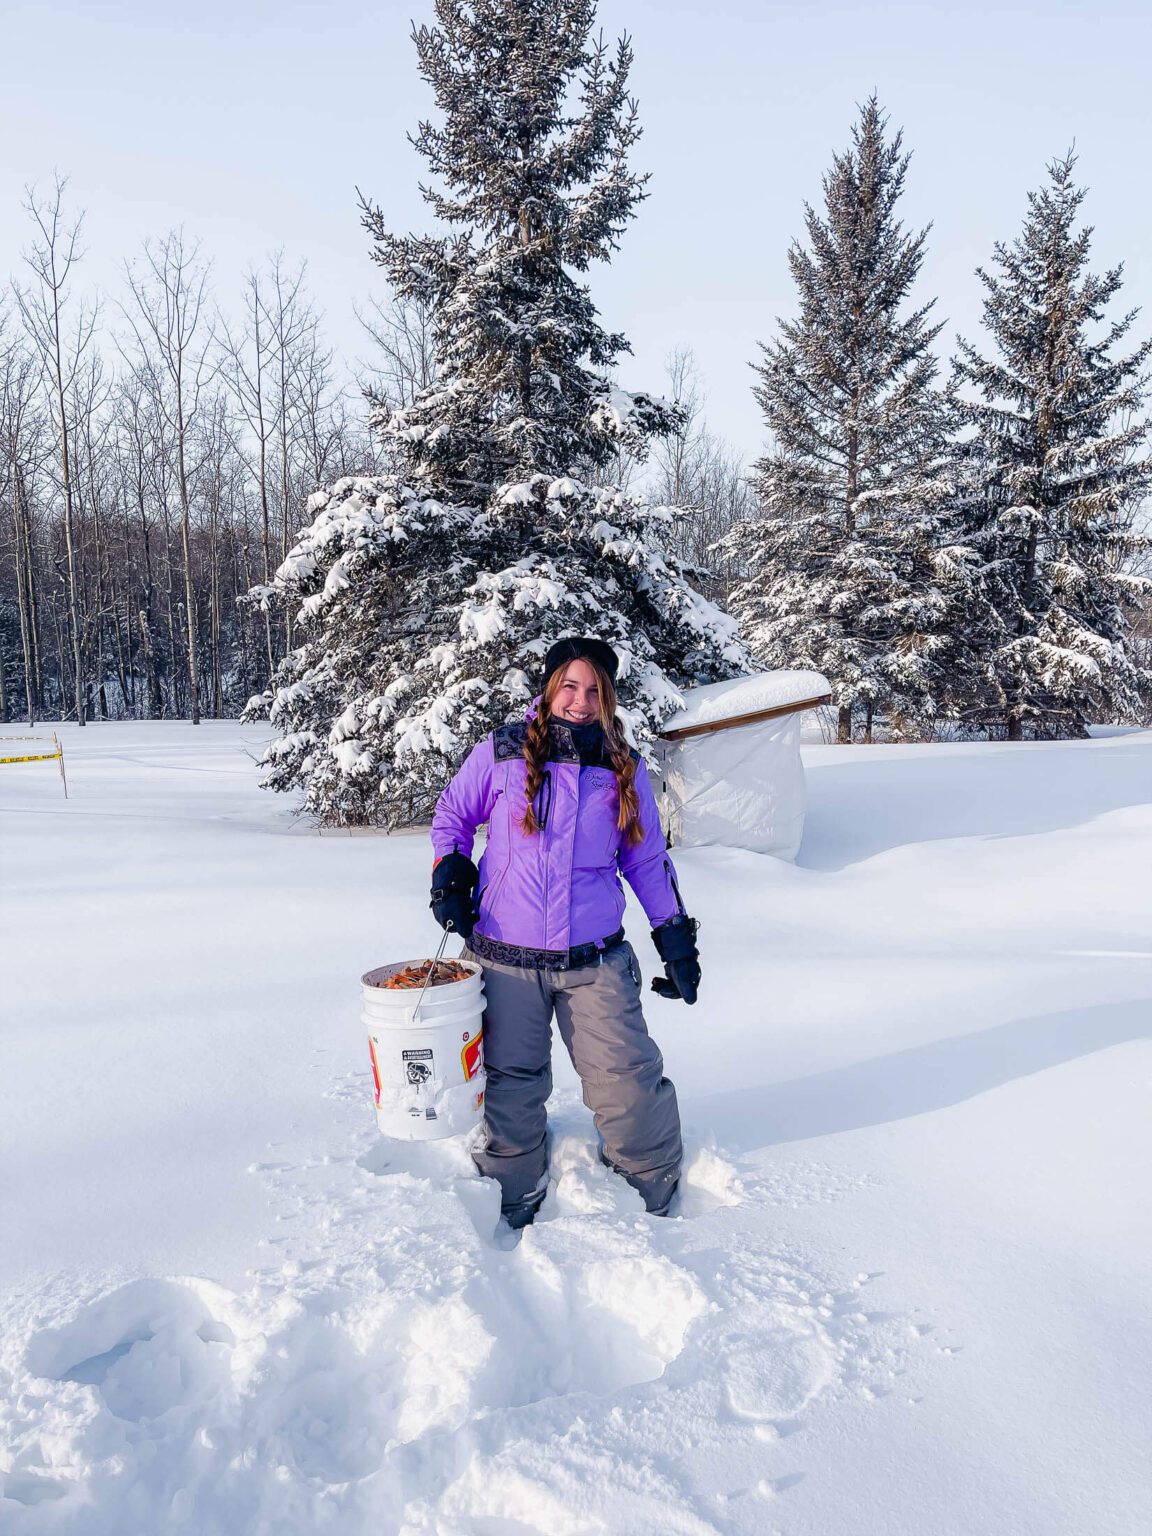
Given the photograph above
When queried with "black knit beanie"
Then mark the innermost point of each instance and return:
(581, 648)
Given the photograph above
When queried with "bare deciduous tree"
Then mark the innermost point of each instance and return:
(21, 445)
(61, 337)
(175, 354)
(695, 470)
(404, 358)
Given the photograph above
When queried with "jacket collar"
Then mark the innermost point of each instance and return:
(564, 748)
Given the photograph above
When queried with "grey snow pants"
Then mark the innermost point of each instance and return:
(602, 1025)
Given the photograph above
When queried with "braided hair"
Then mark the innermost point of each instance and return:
(536, 749)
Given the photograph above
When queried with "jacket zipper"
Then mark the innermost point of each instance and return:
(544, 806)
(675, 887)
(543, 811)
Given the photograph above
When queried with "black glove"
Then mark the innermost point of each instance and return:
(675, 943)
(454, 882)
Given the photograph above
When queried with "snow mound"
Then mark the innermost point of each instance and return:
(746, 696)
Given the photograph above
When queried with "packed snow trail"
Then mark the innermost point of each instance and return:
(396, 1368)
(905, 1291)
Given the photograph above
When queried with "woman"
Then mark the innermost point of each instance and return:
(568, 814)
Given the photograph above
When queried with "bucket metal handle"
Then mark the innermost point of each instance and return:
(431, 973)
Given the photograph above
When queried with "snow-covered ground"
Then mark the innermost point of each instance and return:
(908, 1292)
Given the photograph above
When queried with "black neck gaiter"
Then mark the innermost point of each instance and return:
(589, 742)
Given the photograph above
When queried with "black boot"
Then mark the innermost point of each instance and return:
(657, 1198)
(523, 1213)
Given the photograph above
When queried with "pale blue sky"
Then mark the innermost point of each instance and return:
(251, 123)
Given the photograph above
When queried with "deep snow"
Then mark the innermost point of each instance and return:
(908, 1292)
(745, 696)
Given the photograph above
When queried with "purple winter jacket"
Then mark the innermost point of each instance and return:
(558, 887)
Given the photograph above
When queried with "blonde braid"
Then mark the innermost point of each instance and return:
(624, 766)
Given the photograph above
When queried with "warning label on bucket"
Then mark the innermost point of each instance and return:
(418, 1065)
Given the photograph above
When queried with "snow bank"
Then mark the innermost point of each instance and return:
(746, 696)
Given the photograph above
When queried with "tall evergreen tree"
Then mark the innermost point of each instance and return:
(428, 597)
(537, 191)
(850, 567)
(1056, 473)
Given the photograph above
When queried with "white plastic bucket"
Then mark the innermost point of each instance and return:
(427, 1053)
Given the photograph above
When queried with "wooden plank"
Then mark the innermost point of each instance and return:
(733, 720)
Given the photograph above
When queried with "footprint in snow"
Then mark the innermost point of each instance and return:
(146, 1347)
(31, 1488)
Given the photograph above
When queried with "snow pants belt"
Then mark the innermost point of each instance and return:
(543, 959)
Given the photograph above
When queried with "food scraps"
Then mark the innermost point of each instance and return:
(415, 975)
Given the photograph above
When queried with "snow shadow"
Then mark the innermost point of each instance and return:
(859, 806)
(915, 1081)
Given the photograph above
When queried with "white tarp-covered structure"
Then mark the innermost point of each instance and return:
(730, 769)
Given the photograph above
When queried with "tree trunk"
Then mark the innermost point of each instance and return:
(844, 725)
(61, 656)
(73, 603)
(852, 481)
(174, 698)
(124, 647)
(189, 589)
(244, 552)
(24, 593)
(101, 627)
(66, 474)
(33, 608)
(150, 665)
(155, 700)
(214, 605)
(267, 545)
(285, 478)
(117, 635)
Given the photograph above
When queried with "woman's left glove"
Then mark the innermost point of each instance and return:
(454, 882)
(675, 943)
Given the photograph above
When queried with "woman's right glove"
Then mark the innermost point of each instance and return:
(454, 882)
(675, 943)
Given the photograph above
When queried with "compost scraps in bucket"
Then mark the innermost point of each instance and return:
(444, 971)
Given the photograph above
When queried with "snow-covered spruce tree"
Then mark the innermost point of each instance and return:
(1056, 474)
(850, 567)
(428, 597)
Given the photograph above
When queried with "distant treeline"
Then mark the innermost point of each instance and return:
(156, 455)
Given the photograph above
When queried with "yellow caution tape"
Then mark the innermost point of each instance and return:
(39, 757)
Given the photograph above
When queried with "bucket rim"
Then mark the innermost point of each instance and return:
(369, 983)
